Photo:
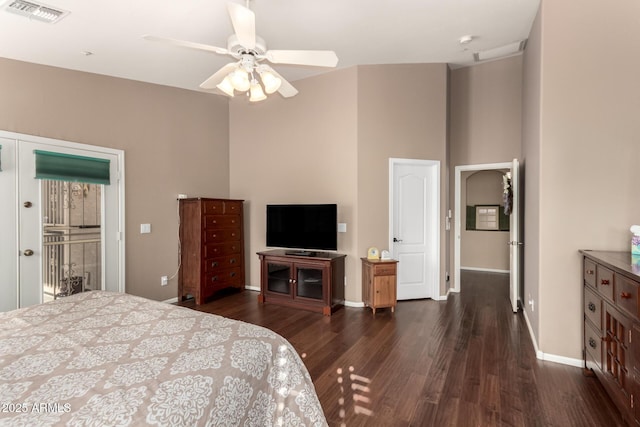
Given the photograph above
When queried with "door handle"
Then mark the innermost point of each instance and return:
(397, 240)
(28, 252)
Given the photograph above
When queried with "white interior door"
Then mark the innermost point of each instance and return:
(30, 218)
(515, 245)
(414, 228)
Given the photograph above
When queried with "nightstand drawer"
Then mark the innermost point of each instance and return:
(384, 269)
(593, 308)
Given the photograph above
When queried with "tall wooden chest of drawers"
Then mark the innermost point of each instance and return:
(611, 331)
(212, 247)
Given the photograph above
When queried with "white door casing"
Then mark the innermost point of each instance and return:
(414, 217)
(8, 226)
(26, 280)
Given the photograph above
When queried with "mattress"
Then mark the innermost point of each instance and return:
(104, 358)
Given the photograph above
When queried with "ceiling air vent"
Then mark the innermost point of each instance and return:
(36, 11)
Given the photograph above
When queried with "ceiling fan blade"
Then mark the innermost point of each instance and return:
(285, 89)
(219, 75)
(182, 43)
(244, 24)
(316, 58)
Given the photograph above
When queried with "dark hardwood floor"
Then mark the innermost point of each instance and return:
(467, 361)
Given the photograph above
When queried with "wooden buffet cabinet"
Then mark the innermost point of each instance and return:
(612, 326)
(379, 282)
(309, 280)
(211, 247)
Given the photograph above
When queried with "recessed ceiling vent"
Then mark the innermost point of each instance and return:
(36, 11)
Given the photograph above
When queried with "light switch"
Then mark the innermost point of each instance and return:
(145, 228)
(342, 227)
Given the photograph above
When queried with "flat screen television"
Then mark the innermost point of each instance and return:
(303, 226)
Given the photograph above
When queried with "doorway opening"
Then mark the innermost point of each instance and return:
(512, 245)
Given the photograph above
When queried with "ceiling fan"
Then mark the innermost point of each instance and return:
(250, 53)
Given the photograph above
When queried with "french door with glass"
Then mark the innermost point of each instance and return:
(68, 220)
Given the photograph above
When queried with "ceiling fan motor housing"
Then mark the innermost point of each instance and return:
(235, 48)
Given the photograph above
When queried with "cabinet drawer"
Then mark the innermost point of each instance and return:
(227, 277)
(222, 221)
(221, 235)
(213, 251)
(593, 308)
(589, 272)
(213, 207)
(215, 264)
(593, 344)
(232, 207)
(604, 282)
(627, 295)
(384, 269)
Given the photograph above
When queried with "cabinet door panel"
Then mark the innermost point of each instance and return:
(384, 291)
(309, 282)
(278, 278)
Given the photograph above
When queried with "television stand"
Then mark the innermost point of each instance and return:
(300, 280)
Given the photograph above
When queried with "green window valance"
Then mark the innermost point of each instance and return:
(69, 167)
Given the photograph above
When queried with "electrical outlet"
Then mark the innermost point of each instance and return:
(164, 281)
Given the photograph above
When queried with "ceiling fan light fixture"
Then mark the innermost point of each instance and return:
(226, 86)
(239, 79)
(270, 81)
(257, 94)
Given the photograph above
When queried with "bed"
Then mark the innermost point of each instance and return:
(104, 358)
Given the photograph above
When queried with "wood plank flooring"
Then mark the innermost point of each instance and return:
(467, 361)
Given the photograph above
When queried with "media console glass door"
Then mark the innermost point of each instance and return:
(309, 283)
(279, 278)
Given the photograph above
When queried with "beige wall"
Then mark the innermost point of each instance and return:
(485, 109)
(531, 116)
(589, 152)
(482, 249)
(344, 125)
(175, 141)
(298, 150)
(400, 117)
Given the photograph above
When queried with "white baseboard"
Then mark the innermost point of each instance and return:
(353, 304)
(488, 270)
(171, 300)
(253, 288)
(578, 363)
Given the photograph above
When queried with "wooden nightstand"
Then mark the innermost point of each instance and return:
(379, 281)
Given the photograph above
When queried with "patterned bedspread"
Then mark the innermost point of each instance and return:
(103, 358)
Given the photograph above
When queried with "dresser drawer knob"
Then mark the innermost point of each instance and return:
(233, 274)
(214, 264)
(625, 295)
(592, 307)
(232, 261)
(214, 279)
(592, 343)
(604, 281)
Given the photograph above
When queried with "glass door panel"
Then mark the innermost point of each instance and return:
(278, 278)
(309, 282)
(71, 238)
